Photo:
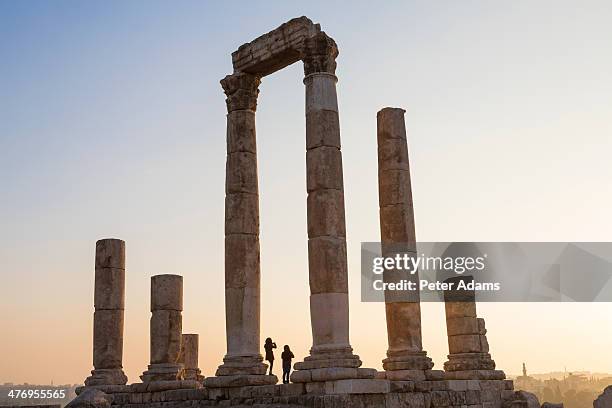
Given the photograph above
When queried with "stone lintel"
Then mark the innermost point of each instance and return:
(276, 49)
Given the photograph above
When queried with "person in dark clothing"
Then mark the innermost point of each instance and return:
(286, 356)
(268, 346)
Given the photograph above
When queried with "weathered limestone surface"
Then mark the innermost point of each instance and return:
(405, 355)
(467, 342)
(165, 385)
(166, 328)
(109, 293)
(108, 339)
(167, 293)
(189, 357)
(242, 263)
(327, 269)
(276, 49)
(109, 303)
(349, 393)
(110, 253)
(331, 356)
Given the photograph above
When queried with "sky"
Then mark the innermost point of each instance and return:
(112, 124)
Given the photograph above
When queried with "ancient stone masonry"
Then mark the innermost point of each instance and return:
(189, 357)
(350, 393)
(331, 354)
(243, 363)
(275, 50)
(406, 358)
(166, 327)
(109, 303)
(468, 348)
(331, 375)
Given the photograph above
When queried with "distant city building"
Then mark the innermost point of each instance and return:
(574, 390)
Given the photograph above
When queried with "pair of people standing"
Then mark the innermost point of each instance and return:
(286, 356)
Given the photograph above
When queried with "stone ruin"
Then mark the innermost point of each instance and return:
(331, 376)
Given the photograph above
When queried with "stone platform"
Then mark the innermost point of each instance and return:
(339, 393)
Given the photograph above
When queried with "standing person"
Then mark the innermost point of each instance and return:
(286, 356)
(268, 346)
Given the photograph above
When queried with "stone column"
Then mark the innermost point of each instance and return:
(327, 259)
(189, 357)
(405, 356)
(109, 302)
(468, 348)
(166, 327)
(243, 363)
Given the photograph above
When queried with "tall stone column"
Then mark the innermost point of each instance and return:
(189, 357)
(166, 328)
(405, 356)
(468, 347)
(109, 303)
(327, 258)
(243, 363)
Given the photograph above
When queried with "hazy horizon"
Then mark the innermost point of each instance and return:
(112, 124)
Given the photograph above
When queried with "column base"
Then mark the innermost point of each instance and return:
(409, 365)
(242, 365)
(329, 356)
(330, 363)
(163, 372)
(469, 361)
(106, 376)
(193, 374)
(240, 371)
(407, 360)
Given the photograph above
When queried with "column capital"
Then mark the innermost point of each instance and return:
(320, 54)
(241, 90)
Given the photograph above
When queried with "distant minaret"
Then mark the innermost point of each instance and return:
(524, 370)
